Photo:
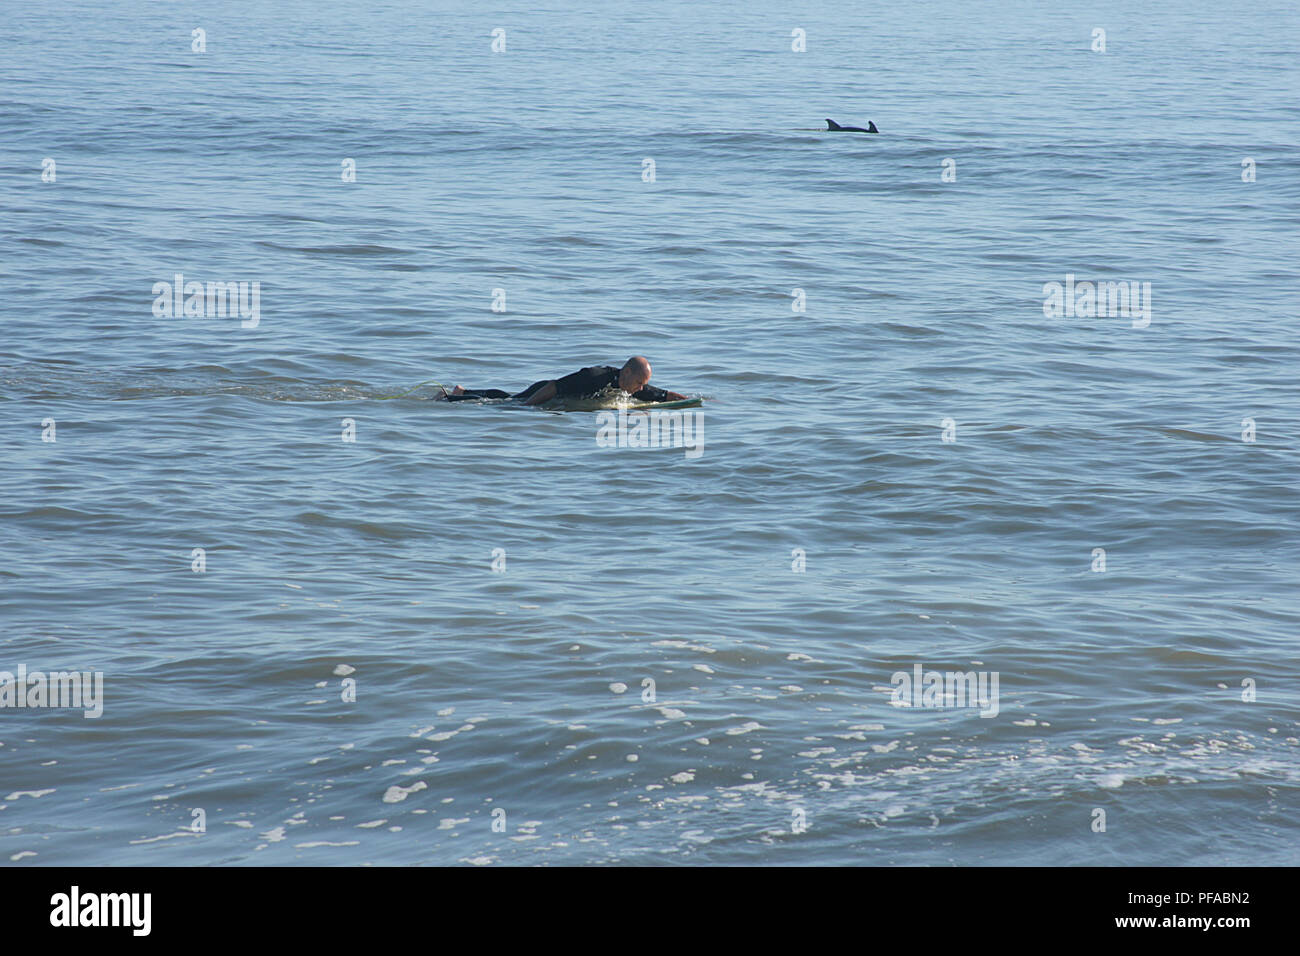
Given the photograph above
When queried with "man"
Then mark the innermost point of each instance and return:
(584, 383)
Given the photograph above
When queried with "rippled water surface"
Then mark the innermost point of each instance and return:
(646, 677)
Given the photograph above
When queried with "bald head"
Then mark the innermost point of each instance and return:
(634, 374)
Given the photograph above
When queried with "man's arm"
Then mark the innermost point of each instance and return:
(648, 393)
(543, 394)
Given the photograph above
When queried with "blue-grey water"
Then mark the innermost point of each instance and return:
(1158, 696)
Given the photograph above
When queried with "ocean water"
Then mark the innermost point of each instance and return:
(473, 634)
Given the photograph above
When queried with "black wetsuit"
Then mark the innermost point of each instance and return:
(583, 383)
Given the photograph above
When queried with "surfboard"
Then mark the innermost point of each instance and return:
(680, 403)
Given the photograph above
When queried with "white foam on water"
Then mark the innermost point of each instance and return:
(166, 836)
(396, 793)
